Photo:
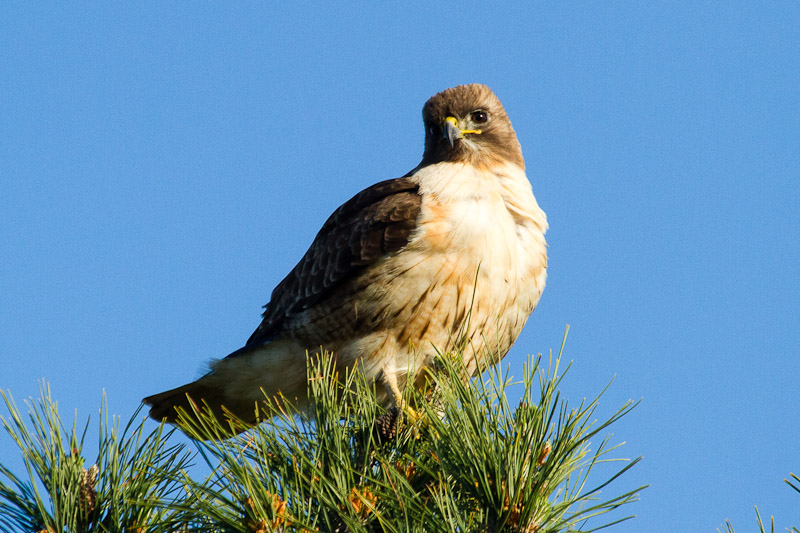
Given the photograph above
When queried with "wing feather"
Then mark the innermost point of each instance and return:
(376, 222)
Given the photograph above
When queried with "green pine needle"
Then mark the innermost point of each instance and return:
(457, 457)
(127, 486)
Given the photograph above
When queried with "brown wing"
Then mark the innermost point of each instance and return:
(375, 222)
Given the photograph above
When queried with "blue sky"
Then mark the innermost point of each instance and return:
(163, 166)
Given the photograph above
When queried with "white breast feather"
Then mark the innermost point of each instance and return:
(492, 216)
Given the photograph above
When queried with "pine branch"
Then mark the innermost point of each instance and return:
(467, 461)
(127, 487)
(457, 457)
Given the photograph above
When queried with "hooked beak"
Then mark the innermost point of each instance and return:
(451, 130)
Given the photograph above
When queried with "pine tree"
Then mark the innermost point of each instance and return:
(456, 458)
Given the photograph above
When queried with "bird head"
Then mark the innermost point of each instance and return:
(468, 123)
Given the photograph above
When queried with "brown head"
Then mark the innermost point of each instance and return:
(468, 123)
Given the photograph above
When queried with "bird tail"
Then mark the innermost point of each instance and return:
(237, 385)
(201, 396)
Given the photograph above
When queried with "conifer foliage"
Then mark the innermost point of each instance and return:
(456, 457)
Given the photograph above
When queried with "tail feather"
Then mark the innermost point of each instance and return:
(200, 395)
(237, 383)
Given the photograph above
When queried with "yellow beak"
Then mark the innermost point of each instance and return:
(452, 131)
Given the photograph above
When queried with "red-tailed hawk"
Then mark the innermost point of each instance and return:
(451, 254)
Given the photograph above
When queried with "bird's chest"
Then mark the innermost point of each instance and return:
(473, 233)
(482, 233)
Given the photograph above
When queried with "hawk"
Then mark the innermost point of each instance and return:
(450, 255)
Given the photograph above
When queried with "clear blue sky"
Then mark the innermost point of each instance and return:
(162, 166)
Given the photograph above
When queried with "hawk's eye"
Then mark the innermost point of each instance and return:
(432, 130)
(479, 117)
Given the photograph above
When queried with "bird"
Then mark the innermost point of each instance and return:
(450, 256)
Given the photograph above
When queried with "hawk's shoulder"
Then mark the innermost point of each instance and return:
(373, 224)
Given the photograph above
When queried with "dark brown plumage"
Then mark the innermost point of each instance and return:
(375, 222)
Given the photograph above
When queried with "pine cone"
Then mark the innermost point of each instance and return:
(88, 500)
(386, 425)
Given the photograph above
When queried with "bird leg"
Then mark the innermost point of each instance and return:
(389, 379)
